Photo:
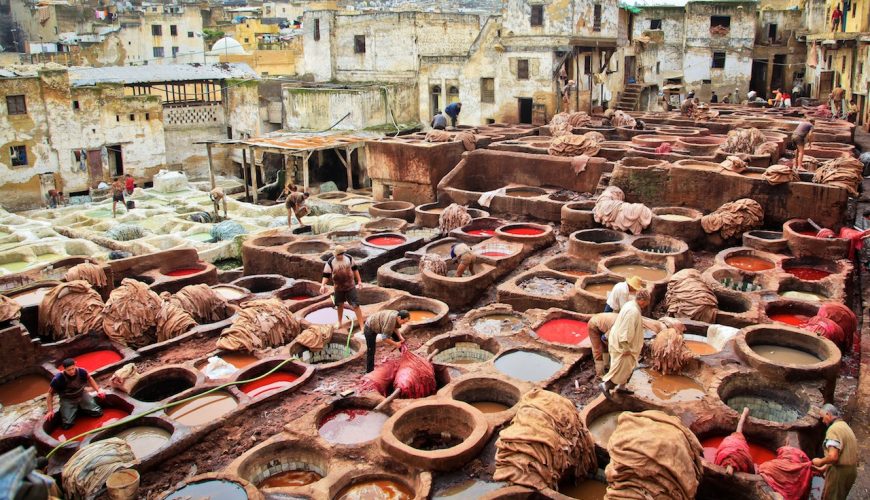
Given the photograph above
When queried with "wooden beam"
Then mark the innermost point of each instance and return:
(305, 174)
(254, 175)
(245, 172)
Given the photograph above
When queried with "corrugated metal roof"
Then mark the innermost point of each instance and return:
(83, 76)
(675, 3)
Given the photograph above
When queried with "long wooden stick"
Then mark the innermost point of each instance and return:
(387, 401)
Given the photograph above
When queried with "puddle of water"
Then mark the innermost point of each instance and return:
(144, 440)
(785, 355)
(527, 365)
(352, 426)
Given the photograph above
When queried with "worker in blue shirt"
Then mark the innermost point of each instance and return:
(452, 111)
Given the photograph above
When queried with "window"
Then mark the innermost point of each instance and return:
(18, 156)
(76, 105)
(658, 67)
(860, 69)
(587, 65)
(771, 31)
(147, 116)
(189, 34)
(16, 105)
(718, 60)
(537, 18)
(706, 82)
(655, 24)
(247, 40)
(487, 90)
(596, 17)
(522, 69)
(724, 21)
(117, 118)
(173, 30)
(156, 30)
(157, 51)
(317, 30)
(843, 65)
(132, 117)
(359, 44)
(174, 51)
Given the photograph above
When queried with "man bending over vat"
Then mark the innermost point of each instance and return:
(384, 325)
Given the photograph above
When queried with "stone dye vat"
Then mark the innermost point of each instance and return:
(489, 395)
(23, 388)
(163, 383)
(667, 388)
(563, 331)
(376, 488)
(351, 425)
(145, 440)
(527, 365)
(462, 349)
(498, 324)
(203, 409)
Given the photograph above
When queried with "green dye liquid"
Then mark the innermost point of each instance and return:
(99, 214)
(16, 267)
(49, 257)
(199, 236)
(227, 264)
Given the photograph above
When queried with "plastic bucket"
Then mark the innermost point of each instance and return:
(123, 484)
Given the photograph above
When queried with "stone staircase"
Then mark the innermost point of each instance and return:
(629, 97)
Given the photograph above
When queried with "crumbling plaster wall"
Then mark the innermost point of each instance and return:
(138, 42)
(318, 108)
(663, 57)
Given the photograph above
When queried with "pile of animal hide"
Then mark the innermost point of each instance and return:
(668, 351)
(734, 164)
(9, 309)
(202, 303)
(611, 211)
(743, 140)
(172, 321)
(70, 309)
(573, 145)
(468, 140)
(130, 315)
(841, 172)
(125, 232)
(260, 324)
(435, 135)
(85, 474)
(453, 217)
(790, 474)
(622, 119)
(410, 374)
(734, 218)
(433, 263)
(227, 230)
(780, 174)
(315, 337)
(86, 271)
(690, 297)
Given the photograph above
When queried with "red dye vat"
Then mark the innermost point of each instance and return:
(84, 423)
(386, 241)
(95, 360)
(524, 231)
(187, 271)
(269, 384)
(759, 454)
(299, 297)
(494, 254)
(481, 232)
(749, 263)
(564, 331)
(808, 273)
(790, 319)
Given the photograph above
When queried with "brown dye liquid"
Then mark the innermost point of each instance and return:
(378, 489)
(675, 388)
(600, 289)
(436, 210)
(420, 315)
(602, 427)
(23, 389)
(144, 440)
(700, 348)
(648, 273)
(575, 272)
(203, 409)
(470, 488)
(527, 365)
(489, 406)
(524, 193)
(785, 355)
(238, 359)
(588, 489)
(290, 478)
(33, 297)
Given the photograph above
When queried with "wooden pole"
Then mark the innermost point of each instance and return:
(245, 172)
(305, 174)
(254, 174)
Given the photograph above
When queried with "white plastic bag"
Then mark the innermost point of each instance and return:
(217, 368)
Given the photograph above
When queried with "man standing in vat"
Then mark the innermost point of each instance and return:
(69, 385)
(840, 463)
(384, 325)
(621, 293)
(625, 343)
(342, 269)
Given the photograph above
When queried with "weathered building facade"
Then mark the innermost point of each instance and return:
(778, 58)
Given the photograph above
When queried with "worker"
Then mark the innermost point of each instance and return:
(799, 138)
(69, 385)
(687, 107)
(129, 184)
(690, 95)
(838, 97)
(453, 110)
(776, 102)
(384, 325)
(599, 326)
(462, 255)
(852, 114)
(836, 16)
(344, 273)
(624, 344)
(117, 195)
(54, 198)
(840, 463)
(714, 99)
(621, 293)
(751, 96)
(295, 204)
(439, 121)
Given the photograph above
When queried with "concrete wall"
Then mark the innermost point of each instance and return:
(139, 43)
(285, 62)
(663, 58)
(318, 108)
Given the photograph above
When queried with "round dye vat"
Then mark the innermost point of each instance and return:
(436, 210)
(648, 273)
(790, 319)
(551, 287)
(470, 488)
(527, 365)
(481, 232)
(378, 489)
(215, 488)
(95, 360)
(290, 478)
(23, 389)
(33, 297)
(238, 359)
(328, 316)
(352, 426)
(575, 272)
(144, 440)
(385, 241)
(83, 423)
(600, 289)
(490, 406)
(186, 271)
(524, 231)
(602, 427)
(700, 348)
(749, 263)
(420, 315)
(161, 389)
(785, 355)
(300, 297)
(673, 388)
(409, 270)
(496, 324)
(269, 384)
(808, 296)
(758, 453)
(807, 273)
(588, 489)
(203, 409)
(564, 331)
(674, 217)
(228, 293)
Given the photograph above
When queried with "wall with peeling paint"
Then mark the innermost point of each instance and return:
(370, 106)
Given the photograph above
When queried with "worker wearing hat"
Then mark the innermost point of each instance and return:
(344, 273)
(622, 293)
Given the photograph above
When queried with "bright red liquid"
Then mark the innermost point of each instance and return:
(269, 384)
(84, 424)
(524, 231)
(187, 271)
(481, 232)
(564, 331)
(790, 319)
(299, 297)
(808, 273)
(494, 254)
(386, 241)
(759, 454)
(95, 360)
